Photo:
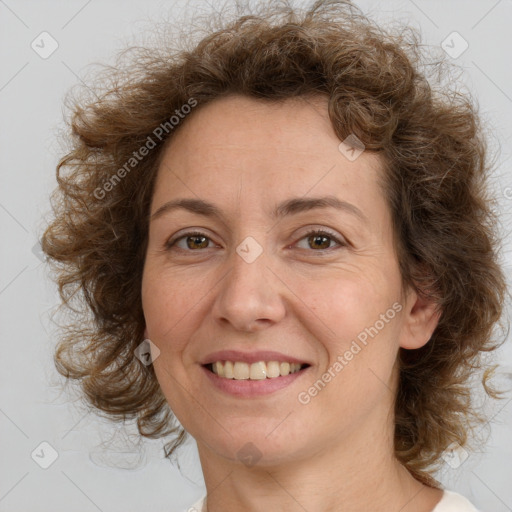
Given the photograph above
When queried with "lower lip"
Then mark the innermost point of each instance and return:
(249, 388)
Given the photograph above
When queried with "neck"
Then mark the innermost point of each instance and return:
(358, 473)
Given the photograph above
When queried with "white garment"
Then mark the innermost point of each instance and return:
(450, 502)
(198, 506)
(453, 502)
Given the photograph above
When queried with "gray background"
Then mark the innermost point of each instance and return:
(100, 466)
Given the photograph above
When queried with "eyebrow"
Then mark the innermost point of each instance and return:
(289, 207)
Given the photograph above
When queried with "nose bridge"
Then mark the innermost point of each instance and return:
(248, 294)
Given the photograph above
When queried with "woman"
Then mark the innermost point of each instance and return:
(284, 238)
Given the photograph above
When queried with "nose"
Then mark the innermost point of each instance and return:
(250, 295)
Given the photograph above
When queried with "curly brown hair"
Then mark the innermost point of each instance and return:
(435, 179)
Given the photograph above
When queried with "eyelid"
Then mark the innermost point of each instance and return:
(185, 234)
(319, 231)
(311, 231)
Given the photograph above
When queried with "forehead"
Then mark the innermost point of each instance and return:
(287, 130)
(244, 149)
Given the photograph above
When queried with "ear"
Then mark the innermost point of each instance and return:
(146, 336)
(420, 318)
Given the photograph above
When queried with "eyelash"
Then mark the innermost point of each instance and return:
(314, 232)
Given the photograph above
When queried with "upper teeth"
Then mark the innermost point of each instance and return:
(256, 371)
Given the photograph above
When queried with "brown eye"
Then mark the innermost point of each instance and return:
(320, 240)
(193, 242)
(197, 242)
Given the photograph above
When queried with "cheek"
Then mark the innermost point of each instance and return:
(356, 322)
(356, 319)
(165, 303)
(346, 305)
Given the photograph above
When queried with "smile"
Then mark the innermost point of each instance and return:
(260, 370)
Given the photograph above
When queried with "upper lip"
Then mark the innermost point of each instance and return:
(250, 357)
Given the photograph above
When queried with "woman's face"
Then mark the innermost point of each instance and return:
(250, 280)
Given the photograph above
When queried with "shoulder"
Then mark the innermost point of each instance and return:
(453, 502)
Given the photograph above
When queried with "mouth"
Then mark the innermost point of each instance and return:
(260, 370)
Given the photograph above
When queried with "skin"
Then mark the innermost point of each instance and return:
(334, 453)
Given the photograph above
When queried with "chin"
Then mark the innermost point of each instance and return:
(255, 445)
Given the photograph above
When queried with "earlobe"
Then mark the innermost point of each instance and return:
(421, 317)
